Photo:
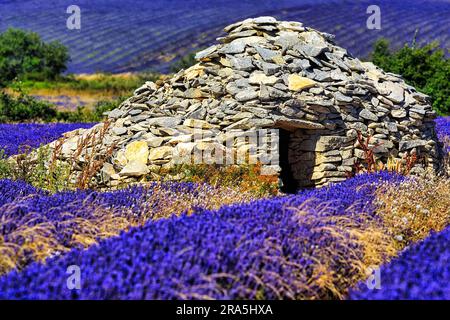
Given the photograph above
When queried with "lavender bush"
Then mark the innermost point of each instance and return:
(443, 130)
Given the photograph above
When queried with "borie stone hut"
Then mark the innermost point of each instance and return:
(304, 97)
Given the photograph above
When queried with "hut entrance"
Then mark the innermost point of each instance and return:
(289, 184)
(297, 166)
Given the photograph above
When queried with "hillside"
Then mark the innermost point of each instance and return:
(153, 34)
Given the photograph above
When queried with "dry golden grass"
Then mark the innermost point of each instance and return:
(97, 76)
(414, 208)
(358, 244)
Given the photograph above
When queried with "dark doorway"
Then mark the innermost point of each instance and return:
(289, 184)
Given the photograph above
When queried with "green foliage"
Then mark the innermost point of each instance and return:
(48, 173)
(424, 67)
(44, 171)
(184, 63)
(6, 170)
(24, 108)
(116, 85)
(84, 114)
(23, 55)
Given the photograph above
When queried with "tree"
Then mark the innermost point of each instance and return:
(23, 55)
(424, 67)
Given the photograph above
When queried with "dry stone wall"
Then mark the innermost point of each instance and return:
(264, 75)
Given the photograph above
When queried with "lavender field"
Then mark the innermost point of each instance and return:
(154, 34)
(17, 138)
(279, 162)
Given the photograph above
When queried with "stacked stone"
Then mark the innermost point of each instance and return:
(268, 74)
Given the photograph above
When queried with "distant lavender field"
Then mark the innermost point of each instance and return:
(123, 35)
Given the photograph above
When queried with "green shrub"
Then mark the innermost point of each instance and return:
(23, 55)
(48, 173)
(24, 108)
(424, 67)
(85, 114)
(184, 63)
(6, 170)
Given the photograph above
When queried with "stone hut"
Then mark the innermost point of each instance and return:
(305, 96)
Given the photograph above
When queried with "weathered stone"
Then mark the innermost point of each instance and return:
(258, 78)
(134, 169)
(366, 114)
(266, 54)
(397, 93)
(69, 146)
(108, 173)
(407, 145)
(293, 124)
(137, 151)
(310, 49)
(265, 20)
(299, 65)
(205, 53)
(398, 113)
(120, 159)
(342, 98)
(115, 114)
(273, 170)
(244, 64)
(194, 93)
(338, 75)
(199, 124)
(278, 94)
(160, 153)
(322, 76)
(270, 68)
(297, 83)
(246, 95)
(154, 142)
(163, 122)
(118, 131)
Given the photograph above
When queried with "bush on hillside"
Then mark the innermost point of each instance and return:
(24, 108)
(85, 114)
(24, 55)
(424, 67)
